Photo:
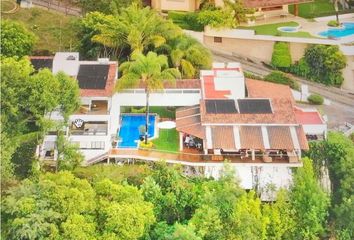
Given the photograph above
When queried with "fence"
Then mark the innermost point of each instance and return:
(58, 6)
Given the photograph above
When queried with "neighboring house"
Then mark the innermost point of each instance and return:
(264, 8)
(94, 125)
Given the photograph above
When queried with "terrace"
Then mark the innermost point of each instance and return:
(94, 107)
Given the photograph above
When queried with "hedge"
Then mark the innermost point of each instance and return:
(282, 78)
(315, 99)
(281, 57)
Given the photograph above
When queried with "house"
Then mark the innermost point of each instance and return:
(95, 123)
(263, 7)
(246, 118)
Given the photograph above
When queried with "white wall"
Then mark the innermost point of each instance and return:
(159, 99)
(314, 129)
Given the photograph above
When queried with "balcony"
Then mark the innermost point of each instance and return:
(96, 107)
(89, 128)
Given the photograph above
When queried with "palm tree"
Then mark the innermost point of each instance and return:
(189, 56)
(151, 70)
(136, 29)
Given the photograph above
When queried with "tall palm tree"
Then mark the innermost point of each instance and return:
(151, 70)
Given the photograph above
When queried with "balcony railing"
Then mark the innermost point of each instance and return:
(97, 132)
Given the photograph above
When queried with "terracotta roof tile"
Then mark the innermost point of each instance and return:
(188, 121)
(251, 137)
(302, 138)
(263, 89)
(196, 130)
(280, 138)
(223, 137)
(187, 112)
(110, 83)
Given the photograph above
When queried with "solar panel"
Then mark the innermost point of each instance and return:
(220, 106)
(42, 63)
(93, 76)
(254, 106)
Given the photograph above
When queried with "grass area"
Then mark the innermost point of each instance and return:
(272, 29)
(186, 20)
(167, 140)
(55, 31)
(7, 5)
(164, 112)
(317, 8)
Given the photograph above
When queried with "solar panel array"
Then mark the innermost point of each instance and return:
(220, 106)
(93, 76)
(254, 106)
(42, 63)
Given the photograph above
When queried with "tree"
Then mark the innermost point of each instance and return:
(16, 40)
(188, 56)
(136, 29)
(69, 93)
(239, 10)
(216, 18)
(184, 232)
(69, 156)
(106, 6)
(152, 70)
(281, 220)
(77, 227)
(309, 203)
(325, 63)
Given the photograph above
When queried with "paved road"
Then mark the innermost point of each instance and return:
(340, 111)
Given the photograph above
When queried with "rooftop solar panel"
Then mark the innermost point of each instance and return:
(220, 106)
(93, 76)
(42, 63)
(254, 106)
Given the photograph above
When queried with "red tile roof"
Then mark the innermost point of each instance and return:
(302, 138)
(223, 137)
(307, 118)
(251, 137)
(108, 90)
(280, 138)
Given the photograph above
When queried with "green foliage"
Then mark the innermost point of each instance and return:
(281, 78)
(325, 64)
(332, 23)
(184, 232)
(270, 29)
(317, 8)
(7, 150)
(301, 68)
(337, 153)
(16, 40)
(186, 20)
(281, 57)
(315, 99)
(238, 10)
(54, 31)
(69, 155)
(60, 206)
(105, 6)
(309, 203)
(218, 18)
(252, 75)
(135, 30)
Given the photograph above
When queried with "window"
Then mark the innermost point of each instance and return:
(90, 145)
(218, 39)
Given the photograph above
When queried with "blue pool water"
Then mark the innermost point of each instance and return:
(348, 29)
(129, 130)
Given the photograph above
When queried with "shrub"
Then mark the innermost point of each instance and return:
(138, 110)
(186, 20)
(301, 68)
(252, 76)
(148, 145)
(281, 57)
(315, 99)
(333, 23)
(281, 78)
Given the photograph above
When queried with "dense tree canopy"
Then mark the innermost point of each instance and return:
(16, 40)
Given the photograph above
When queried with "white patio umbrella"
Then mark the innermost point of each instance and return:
(166, 125)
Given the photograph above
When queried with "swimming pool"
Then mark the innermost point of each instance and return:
(288, 29)
(129, 130)
(346, 30)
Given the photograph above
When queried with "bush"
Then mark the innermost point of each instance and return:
(282, 78)
(252, 76)
(301, 68)
(186, 20)
(281, 57)
(138, 110)
(315, 99)
(333, 23)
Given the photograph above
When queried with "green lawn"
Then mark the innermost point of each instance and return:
(167, 140)
(55, 31)
(163, 112)
(272, 29)
(317, 8)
